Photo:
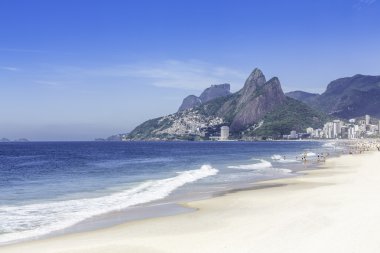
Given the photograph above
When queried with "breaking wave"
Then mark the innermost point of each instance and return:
(33, 220)
(263, 164)
(282, 159)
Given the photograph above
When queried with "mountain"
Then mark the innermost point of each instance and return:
(260, 108)
(302, 96)
(4, 140)
(351, 97)
(215, 91)
(348, 97)
(190, 102)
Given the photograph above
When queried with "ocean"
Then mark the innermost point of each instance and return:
(48, 187)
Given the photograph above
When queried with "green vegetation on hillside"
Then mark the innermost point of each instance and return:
(292, 115)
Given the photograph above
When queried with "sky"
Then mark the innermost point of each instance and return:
(83, 69)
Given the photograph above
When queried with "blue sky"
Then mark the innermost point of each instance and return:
(76, 70)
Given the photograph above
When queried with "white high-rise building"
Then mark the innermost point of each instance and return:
(336, 128)
(224, 133)
(328, 130)
(367, 119)
(351, 132)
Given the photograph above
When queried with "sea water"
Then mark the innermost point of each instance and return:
(46, 187)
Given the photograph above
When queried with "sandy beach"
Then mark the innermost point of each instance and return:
(332, 209)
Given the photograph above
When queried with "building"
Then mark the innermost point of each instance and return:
(351, 132)
(224, 133)
(353, 129)
(367, 119)
(293, 135)
(309, 130)
(336, 128)
(328, 130)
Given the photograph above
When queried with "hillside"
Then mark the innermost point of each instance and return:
(260, 108)
(302, 96)
(348, 97)
(292, 115)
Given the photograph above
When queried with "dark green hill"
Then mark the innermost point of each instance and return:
(292, 115)
(302, 96)
(348, 97)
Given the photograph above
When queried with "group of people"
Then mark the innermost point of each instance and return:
(321, 157)
(357, 147)
(364, 145)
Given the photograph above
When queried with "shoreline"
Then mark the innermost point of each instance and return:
(169, 205)
(137, 231)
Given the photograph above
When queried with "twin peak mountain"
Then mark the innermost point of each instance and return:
(260, 108)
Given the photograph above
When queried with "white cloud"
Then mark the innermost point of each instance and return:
(368, 2)
(359, 4)
(9, 68)
(48, 83)
(192, 74)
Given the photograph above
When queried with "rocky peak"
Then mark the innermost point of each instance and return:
(189, 102)
(259, 99)
(255, 80)
(274, 83)
(215, 91)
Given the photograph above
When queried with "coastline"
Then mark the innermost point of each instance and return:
(323, 204)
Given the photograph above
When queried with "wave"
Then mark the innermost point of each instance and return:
(33, 220)
(329, 145)
(264, 167)
(282, 159)
(308, 154)
(287, 161)
(263, 164)
(276, 157)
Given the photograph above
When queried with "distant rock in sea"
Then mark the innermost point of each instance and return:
(22, 140)
(116, 137)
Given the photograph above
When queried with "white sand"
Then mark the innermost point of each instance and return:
(334, 209)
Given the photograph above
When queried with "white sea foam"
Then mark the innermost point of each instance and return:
(263, 167)
(286, 170)
(263, 164)
(329, 145)
(29, 221)
(282, 159)
(287, 161)
(277, 157)
(308, 154)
